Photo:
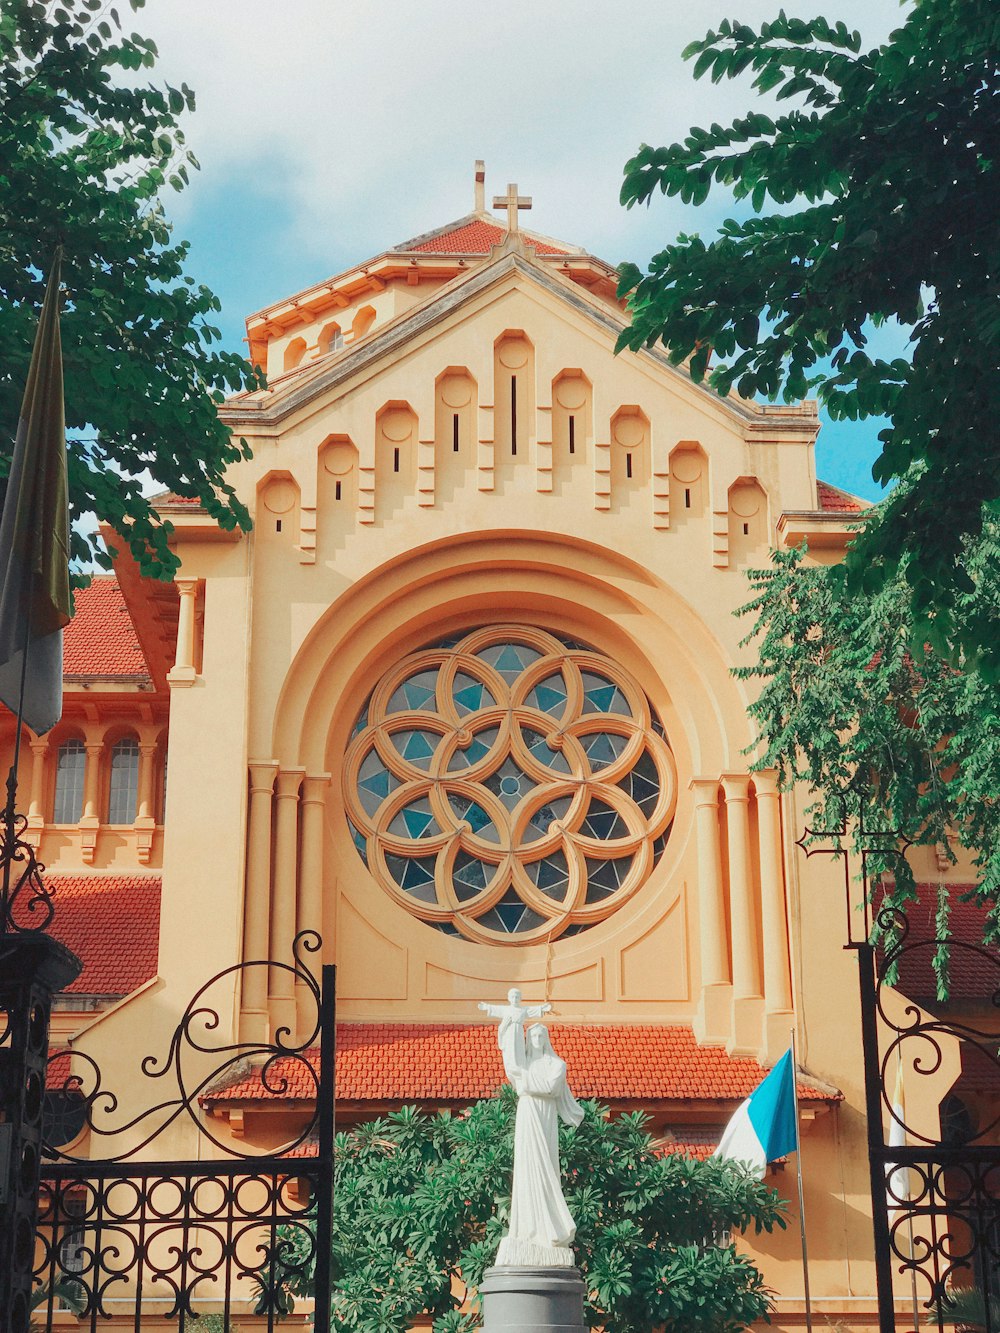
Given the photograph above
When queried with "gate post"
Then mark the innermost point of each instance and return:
(33, 967)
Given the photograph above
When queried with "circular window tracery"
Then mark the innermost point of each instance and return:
(509, 785)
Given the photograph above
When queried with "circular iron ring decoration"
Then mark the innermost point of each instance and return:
(509, 786)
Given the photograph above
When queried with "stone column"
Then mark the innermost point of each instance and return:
(774, 921)
(286, 837)
(713, 1019)
(311, 885)
(182, 673)
(744, 927)
(36, 799)
(532, 1300)
(145, 823)
(257, 902)
(91, 818)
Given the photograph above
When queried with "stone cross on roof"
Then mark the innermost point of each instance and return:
(512, 201)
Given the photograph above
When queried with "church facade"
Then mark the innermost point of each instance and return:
(463, 704)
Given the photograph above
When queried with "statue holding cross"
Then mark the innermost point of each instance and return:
(512, 201)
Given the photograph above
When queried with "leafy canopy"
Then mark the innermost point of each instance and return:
(847, 707)
(875, 193)
(423, 1200)
(83, 161)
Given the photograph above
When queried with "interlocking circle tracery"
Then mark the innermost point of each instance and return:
(509, 786)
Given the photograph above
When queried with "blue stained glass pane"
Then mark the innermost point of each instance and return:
(603, 748)
(601, 698)
(470, 876)
(603, 822)
(475, 816)
(477, 748)
(509, 660)
(510, 910)
(549, 696)
(551, 875)
(544, 753)
(379, 783)
(470, 698)
(606, 877)
(417, 696)
(360, 842)
(418, 822)
(417, 692)
(539, 822)
(361, 723)
(416, 746)
(417, 872)
(603, 695)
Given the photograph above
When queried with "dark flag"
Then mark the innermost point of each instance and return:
(34, 535)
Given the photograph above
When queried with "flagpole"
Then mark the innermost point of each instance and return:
(802, 1201)
(10, 812)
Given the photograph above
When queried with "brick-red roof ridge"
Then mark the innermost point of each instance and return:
(399, 1062)
(473, 236)
(101, 640)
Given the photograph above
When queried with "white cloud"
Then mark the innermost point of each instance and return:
(366, 117)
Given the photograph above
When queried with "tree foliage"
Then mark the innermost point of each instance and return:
(875, 194)
(86, 148)
(848, 706)
(423, 1200)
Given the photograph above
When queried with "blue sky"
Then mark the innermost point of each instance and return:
(328, 131)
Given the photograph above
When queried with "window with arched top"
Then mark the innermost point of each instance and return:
(123, 784)
(71, 761)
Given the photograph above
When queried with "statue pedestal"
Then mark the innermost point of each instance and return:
(532, 1300)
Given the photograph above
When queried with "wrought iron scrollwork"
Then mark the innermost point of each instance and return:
(191, 1066)
(26, 902)
(229, 1235)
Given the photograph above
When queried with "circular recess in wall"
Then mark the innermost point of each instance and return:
(571, 393)
(629, 432)
(686, 465)
(455, 390)
(396, 425)
(279, 495)
(508, 785)
(745, 501)
(514, 353)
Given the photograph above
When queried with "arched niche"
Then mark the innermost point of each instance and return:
(572, 421)
(277, 517)
(395, 456)
(630, 450)
(362, 322)
(688, 483)
(336, 492)
(331, 338)
(513, 398)
(455, 426)
(748, 523)
(293, 354)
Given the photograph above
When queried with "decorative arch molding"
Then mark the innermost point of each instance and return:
(461, 582)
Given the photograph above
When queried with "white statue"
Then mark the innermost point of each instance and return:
(541, 1229)
(510, 1034)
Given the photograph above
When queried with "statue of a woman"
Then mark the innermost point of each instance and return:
(541, 1228)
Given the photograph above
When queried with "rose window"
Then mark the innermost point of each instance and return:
(509, 786)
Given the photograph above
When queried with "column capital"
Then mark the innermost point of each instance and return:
(765, 782)
(314, 787)
(93, 747)
(39, 745)
(289, 782)
(706, 790)
(262, 774)
(736, 786)
(186, 585)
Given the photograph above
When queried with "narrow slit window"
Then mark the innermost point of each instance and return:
(70, 764)
(572, 435)
(687, 497)
(454, 432)
(277, 525)
(513, 414)
(746, 529)
(628, 465)
(395, 460)
(337, 490)
(123, 786)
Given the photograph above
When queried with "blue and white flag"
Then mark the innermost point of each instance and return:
(763, 1128)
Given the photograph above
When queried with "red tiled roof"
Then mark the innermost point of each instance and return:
(697, 1144)
(101, 640)
(401, 1062)
(973, 972)
(112, 922)
(476, 238)
(835, 501)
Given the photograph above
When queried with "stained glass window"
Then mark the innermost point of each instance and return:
(508, 786)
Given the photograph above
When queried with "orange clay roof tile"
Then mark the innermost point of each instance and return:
(833, 500)
(101, 640)
(400, 1062)
(112, 922)
(476, 238)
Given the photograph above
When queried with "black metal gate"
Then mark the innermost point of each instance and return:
(224, 1239)
(935, 1198)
